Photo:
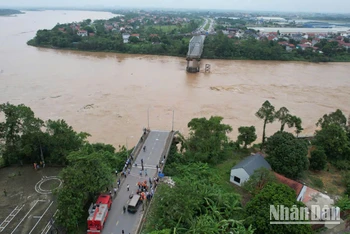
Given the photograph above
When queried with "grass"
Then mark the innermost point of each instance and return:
(224, 171)
(328, 180)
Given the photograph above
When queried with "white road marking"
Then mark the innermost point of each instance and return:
(36, 202)
(41, 217)
(117, 222)
(10, 217)
(49, 225)
(36, 217)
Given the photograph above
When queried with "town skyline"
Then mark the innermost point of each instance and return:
(322, 6)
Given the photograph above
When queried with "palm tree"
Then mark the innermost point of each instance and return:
(266, 113)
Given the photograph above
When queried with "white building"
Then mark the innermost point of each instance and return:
(244, 169)
(82, 33)
(126, 37)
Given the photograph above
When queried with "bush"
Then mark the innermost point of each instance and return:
(341, 164)
(318, 160)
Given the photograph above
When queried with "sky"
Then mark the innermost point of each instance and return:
(334, 6)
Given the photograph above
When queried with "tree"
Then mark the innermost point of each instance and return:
(286, 154)
(292, 121)
(20, 122)
(333, 139)
(257, 210)
(266, 113)
(203, 207)
(207, 141)
(295, 122)
(259, 180)
(318, 160)
(61, 140)
(283, 116)
(133, 39)
(246, 136)
(87, 175)
(336, 117)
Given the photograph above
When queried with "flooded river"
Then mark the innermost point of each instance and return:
(110, 95)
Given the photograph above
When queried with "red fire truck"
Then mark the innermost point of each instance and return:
(98, 214)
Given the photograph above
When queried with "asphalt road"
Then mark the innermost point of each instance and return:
(117, 220)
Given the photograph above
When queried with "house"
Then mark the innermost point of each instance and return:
(135, 35)
(82, 33)
(125, 37)
(244, 169)
(303, 46)
(311, 197)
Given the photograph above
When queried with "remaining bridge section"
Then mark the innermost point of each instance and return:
(195, 50)
(195, 47)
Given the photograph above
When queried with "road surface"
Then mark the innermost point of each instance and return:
(117, 220)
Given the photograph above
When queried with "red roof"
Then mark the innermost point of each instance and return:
(135, 35)
(271, 38)
(296, 186)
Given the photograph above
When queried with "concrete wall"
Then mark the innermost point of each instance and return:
(240, 173)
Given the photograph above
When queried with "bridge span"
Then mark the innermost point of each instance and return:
(195, 50)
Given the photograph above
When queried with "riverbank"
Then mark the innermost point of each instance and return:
(151, 49)
(10, 12)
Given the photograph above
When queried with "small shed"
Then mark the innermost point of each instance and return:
(244, 169)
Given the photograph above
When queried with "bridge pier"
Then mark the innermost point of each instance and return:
(193, 65)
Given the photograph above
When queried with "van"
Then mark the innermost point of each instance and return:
(134, 203)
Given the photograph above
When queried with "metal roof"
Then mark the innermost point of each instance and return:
(252, 163)
(99, 213)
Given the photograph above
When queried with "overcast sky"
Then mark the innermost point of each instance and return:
(341, 6)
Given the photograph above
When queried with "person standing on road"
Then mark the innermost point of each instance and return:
(115, 192)
(118, 183)
(146, 172)
(124, 209)
(5, 192)
(140, 172)
(127, 187)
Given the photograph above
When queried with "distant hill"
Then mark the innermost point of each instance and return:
(9, 12)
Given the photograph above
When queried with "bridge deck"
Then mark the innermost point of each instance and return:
(117, 221)
(195, 47)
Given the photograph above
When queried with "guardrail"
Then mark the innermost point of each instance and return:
(166, 151)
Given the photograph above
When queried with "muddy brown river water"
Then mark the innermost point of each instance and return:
(109, 95)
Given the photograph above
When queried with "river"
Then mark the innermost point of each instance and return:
(109, 95)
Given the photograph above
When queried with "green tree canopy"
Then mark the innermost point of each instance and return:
(20, 123)
(87, 175)
(259, 180)
(207, 141)
(246, 136)
(318, 159)
(286, 154)
(257, 210)
(336, 117)
(333, 139)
